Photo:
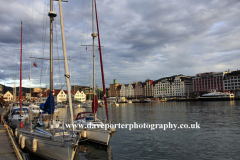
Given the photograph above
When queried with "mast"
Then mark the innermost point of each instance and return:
(30, 79)
(66, 64)
(20, 90)
(93, 35)
(100, 55)
(51, 14)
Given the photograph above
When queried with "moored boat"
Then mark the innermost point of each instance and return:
(217, 96)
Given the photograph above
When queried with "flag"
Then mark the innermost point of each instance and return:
(86, 48)
(35, 64)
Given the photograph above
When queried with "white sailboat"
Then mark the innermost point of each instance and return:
(99, 135)
(50, 140)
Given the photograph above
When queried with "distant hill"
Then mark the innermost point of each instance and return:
(10, 89)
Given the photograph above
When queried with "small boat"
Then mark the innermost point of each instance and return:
(148, 100)
(129, 101)
(114, 104)
(78, 105)
(15, 117)
(217, 96)
(93, 130)
(164, 100)
(87, 105)
(135, 101)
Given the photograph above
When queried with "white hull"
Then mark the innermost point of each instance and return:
(48, 148)
(96, 135)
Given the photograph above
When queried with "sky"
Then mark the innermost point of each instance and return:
(140, 39)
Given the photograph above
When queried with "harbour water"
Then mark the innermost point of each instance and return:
(217, 138)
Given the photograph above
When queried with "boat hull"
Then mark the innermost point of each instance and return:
(48, 148)
(215, 98)
(96, 135)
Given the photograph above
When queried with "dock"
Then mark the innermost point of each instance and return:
(7, 150)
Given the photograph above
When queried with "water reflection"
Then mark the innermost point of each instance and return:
(87, 151)
(218, 137)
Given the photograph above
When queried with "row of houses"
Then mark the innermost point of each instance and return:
(179, 85)
(59, 96)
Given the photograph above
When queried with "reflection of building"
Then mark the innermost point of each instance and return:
(175, 86)
(8, 97)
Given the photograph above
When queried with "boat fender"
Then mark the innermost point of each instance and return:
(19, 139)
(16, 133)
(34, 145)
(23, 142)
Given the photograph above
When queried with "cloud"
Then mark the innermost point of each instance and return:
(141, 39)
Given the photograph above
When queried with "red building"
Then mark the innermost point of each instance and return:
(205, 82)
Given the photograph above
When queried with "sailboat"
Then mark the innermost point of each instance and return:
(89, 119)
(50, 139)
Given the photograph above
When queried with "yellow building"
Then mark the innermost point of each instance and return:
(37, 89)
(114, 89)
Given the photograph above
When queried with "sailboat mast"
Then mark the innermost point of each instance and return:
(20, 96)
(51, 44)
(93, 35)
(100, 55)
(67, 75)
(51, 15)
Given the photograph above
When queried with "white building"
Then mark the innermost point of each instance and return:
(8, 96)
(60, 96)
(175, 86)
(231, 82)
(123, 91)
(127, 90)
(79, 96)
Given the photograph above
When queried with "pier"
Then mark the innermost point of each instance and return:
(8, 150)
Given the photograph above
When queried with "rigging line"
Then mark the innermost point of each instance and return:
(83, 33)
(57, 54)
(43, 38)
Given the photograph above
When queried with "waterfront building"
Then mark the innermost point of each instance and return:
(231, 82)
(148, 88)
(32, 95)
(23, 97)
(205, 82)
(8, 97)
(175, 86)
(127, 90)
(37, 90)
(60, 96)
(138, 89)
(79, 96)
(114, 89)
